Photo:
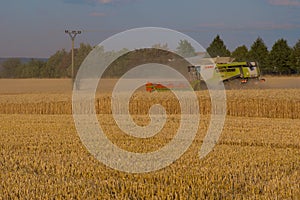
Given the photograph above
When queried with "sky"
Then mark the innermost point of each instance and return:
(35, 28)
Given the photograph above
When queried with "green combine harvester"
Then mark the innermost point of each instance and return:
(235, 75)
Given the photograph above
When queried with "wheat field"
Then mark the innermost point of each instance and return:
(271, 103)
(257, 156)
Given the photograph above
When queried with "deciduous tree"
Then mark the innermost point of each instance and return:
(11, 68)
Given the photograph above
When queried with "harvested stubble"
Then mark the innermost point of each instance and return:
(241, 103)
(43, 158)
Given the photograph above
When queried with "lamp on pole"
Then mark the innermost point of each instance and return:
(72, 35)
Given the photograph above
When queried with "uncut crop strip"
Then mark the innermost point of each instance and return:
(270, 104)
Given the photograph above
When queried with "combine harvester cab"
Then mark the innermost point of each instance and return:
(242, 71)
(241, 75)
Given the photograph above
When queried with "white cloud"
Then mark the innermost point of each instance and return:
(212, 25)
(284, 2)
(94, 2)
(97, 14)
(251, 26)
(105, 1)
(114, 1)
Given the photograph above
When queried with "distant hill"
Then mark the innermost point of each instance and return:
(23, 60)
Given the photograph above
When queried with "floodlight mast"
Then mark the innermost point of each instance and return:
(72, 34)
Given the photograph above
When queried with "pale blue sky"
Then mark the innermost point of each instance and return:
(35, 28)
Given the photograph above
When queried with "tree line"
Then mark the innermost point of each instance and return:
(280, 60)
(57, 66)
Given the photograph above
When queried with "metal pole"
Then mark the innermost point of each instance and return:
(73, 60)
(72, 35)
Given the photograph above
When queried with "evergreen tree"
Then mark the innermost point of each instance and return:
(259, 53)
(295, 58)
(218, 48)
(185, 49)
(279, 57)
(240, 53)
